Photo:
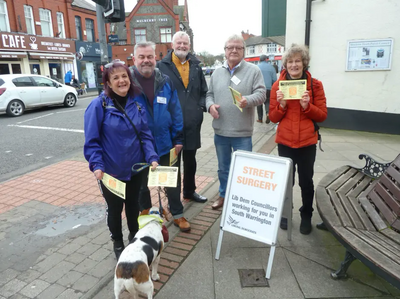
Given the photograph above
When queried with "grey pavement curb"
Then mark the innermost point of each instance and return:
(210, 186)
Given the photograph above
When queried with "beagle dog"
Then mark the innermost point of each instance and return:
(132, 272)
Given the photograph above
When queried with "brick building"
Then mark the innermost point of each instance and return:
(39, 37)
(151, 20)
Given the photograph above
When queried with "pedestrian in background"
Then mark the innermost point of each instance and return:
(68, 78)
(233, 128)
(269, 74)
(114, 126)
(164, 116)
(188, 78)
(296, 135)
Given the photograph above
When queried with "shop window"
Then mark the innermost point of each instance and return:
(4, 69)
(16, 68)
(78, 26)
(45, 22)
(87, 74)
(60, 24)
(35, 68)
(4, 22)
(140, 35)
(22, 82)
(166, 35)
(30, 22)
(252, 50)
(89, 30)
(271, 48)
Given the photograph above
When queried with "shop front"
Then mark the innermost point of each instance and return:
(89, 66)
(31, 54)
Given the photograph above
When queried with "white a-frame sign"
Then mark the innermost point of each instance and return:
(258, 185)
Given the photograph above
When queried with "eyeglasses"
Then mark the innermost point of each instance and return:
(116, 61)
(231, 48)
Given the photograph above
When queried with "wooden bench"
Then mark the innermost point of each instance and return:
(361, 208)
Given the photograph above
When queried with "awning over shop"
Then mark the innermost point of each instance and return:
(7, 54)
(258, 58)
(55, 56)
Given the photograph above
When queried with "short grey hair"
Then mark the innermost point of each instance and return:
(297, 49)
(180, 34)
(144, 45)
(236, 37)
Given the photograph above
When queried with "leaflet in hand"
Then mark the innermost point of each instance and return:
(173, 157)
(114, 185)
(163, 176)
(293, 89)
(237, 97)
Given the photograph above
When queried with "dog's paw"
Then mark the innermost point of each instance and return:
(155, 276)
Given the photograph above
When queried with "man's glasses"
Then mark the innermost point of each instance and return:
(231, 48)
(116, 61)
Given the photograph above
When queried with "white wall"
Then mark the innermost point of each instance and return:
(334, 22)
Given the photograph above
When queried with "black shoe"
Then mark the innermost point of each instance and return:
(131, 238)
(305, 226)
(198, 198)
(118, 248)
(283, 224)
(321, 226)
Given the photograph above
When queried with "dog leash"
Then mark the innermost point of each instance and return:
(159, 201)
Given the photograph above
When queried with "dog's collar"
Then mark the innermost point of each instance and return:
(146, 219)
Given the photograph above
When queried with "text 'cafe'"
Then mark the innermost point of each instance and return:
(31, 54)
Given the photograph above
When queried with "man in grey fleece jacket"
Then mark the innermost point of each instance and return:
(233, 128)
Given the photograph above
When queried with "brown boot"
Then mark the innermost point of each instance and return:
(182, 223)
(267, 120)
(218, 203)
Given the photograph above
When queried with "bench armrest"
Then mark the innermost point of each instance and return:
(372, 168)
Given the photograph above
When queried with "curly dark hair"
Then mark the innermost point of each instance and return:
(112, 66)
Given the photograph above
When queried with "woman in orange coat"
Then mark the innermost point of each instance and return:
(296, 134)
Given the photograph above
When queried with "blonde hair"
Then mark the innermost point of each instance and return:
(297, 49)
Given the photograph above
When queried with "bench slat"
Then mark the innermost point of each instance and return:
(395, 174)
(375, 257)
(396, 224)
(385, 250)
(340, 211)
(332, 176)
(342, 179)
(325, 207)
(391, 234)
(372, 213)
(382, 207)
(384, 241)
(351, 213)
(384, 181)
(351, 183)
(362, 185)
(361, 214)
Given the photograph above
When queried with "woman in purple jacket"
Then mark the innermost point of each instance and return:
(112, 146)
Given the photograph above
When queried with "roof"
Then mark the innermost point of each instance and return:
(257, 40)
(90, 5)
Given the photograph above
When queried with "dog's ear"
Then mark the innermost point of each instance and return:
(145, 212)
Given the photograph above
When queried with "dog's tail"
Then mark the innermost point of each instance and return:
(138, 270)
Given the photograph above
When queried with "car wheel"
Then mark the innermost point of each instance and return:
(15, 108)
(70, 100)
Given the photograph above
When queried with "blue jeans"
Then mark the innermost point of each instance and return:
(224, 147)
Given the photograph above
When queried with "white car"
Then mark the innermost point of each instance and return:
(24, 91)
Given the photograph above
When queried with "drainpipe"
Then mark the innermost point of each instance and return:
(308, 23)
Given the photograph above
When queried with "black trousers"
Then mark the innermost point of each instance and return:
(189, 171)
(173, 194)
(115, 205)
(266, 104)
(304, 159)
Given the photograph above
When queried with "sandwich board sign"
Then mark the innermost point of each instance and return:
(257, 187)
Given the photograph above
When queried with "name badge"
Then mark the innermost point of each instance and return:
(235, 80)
(161, 100)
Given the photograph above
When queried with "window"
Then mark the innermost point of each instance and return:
(43, 81)
(4, 23)
(166, 35)
(271, 48)
(45, 21)
(252, 50)
(140, 35)
(22, 81)
(78, 27)
(30, 24)
(60, 25)
(90, 30)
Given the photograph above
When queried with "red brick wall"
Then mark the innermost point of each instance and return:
(17, 17)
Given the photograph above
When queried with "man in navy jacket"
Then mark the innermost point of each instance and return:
(164, 117)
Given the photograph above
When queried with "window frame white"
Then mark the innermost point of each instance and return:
(91, 30)
(29, 19)
(6, 19)
(60, 17)
(252, 50)
(166, 35)
(271, 48)
(140, 35)
(50, 23)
